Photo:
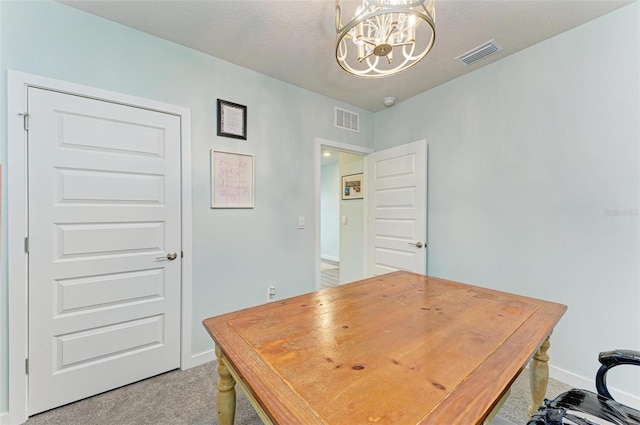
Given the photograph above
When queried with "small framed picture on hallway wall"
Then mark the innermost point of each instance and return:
(353, 186)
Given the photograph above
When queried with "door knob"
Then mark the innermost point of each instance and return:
(170, 256)
(417, 244)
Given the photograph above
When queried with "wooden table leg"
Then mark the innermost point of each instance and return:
(539, 376)
(226, 393)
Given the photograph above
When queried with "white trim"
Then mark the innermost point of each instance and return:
(17, 299)
(365, 220)
(4, 418)
(15, 169)
(571, 378)
(202, 358)
(187, 242)
(330, 257)
(343, 147)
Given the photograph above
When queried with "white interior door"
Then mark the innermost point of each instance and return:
(397, 209)
(104, 213)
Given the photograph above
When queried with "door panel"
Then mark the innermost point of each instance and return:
(77, 186)
(89, 240)
(82, 347)
(104, 211)
(397, 209)
(77, 294)
(126, 137)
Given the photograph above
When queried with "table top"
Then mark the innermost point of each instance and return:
(401, 348)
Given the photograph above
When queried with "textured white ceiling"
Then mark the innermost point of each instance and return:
(294, 40)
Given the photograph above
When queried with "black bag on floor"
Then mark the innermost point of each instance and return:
(582, 407)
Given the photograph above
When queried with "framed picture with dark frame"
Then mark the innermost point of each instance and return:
(232, 120)
(353, 186)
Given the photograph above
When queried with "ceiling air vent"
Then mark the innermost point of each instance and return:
(480, 52)
(347, 119)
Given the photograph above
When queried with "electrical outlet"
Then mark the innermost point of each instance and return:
(271, 293)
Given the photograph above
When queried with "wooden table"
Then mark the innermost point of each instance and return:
(396, 349)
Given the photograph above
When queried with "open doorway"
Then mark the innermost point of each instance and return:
(330, 218)
(341, 218)
(384, 241)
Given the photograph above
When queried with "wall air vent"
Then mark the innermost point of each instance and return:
(480, 52)
(347, 120)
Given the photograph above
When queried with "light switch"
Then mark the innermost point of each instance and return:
(344, 220)
(300, 222)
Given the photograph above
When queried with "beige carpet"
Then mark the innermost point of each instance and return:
(174, 398)
(188, 398)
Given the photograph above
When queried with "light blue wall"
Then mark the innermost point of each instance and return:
(534, 171)
(351, 233)
(330, 211)
(237, 253)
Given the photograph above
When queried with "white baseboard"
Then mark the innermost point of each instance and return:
(5, 419)
(201, 358)
(570, 378)
(330, 258)
(577, 381)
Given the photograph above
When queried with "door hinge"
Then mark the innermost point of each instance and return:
(26, 366)
(25, 117)
(181, 254)
(26, 245)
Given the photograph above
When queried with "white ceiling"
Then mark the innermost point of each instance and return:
(294, 40)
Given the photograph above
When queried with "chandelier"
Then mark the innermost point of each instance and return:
(385, 36)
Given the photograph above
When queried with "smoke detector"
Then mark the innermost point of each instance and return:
(389, 101)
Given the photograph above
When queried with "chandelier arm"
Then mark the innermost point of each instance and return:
(368, 41)
(366, 57)
(393, 27)
(401, 44)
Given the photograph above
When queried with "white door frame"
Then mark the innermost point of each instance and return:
(343, 147)
(17, 260)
